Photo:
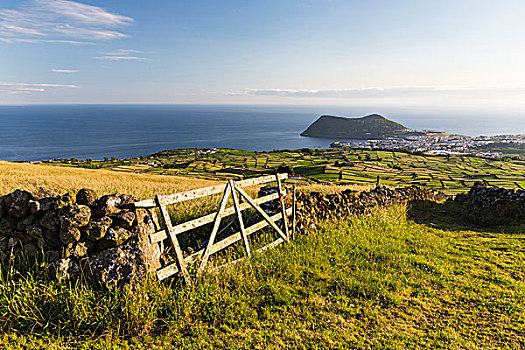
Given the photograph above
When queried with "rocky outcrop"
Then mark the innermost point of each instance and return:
(104, 237)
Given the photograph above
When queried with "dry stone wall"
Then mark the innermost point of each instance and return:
(493, 206)
(314, 207)
(107, 237)
(103, 237)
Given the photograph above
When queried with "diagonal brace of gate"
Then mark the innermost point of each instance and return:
(233, 189)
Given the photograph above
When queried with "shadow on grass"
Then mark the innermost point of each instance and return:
(462, 216)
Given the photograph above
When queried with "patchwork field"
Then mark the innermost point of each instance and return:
(452, 174)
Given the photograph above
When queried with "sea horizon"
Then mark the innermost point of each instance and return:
(35, 132)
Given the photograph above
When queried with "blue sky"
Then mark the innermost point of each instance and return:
(403, 53)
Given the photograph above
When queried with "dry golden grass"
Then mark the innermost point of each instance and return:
(62, 179)
(65, 179)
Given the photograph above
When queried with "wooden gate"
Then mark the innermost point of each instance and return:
(232, 189)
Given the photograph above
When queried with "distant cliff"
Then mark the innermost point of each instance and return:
(372, 126)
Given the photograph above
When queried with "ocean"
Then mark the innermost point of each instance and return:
(37, 132)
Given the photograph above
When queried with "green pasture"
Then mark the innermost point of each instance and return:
(452, 174)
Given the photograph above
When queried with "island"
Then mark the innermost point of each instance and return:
(370, 127)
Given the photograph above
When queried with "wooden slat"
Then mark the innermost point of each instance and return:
(172, 269)
(249, 230)
(260, 211)
(214, 231)
(236, 237)
(283, 208)
(238, 211)
(189, 225)
(173, 238)
(260, 250)
(167, 271)
(206, 191)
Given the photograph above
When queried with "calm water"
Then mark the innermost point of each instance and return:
(96, 131)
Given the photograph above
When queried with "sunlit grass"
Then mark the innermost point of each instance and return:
(66, 179)
(379, 281)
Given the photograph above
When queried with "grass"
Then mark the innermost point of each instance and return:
(380, 281)
(67, 179)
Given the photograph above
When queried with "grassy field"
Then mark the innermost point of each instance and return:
(69, 179)
(452, 174)
(398, 278)
(381, 281)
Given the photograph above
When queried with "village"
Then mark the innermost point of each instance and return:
(480, 146)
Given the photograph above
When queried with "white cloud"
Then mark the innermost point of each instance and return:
(122, 55)
(17, 88)
(120, 58)
(83, 13)
(59, 21)
(123, 52)
(64, 70)
(378, 93)
(35, 41)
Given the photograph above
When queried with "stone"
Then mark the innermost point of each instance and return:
(108, 205)
(17, 203)
(86, 196)
(22, 238)
(7, 226)
(125, 219)
(131, 261)
(20, 226)
(4, 242)
(11, 243)
(271, 207)
(29, 220)
(52, 239)
(44, 192)
(126, 201)
(76, 250)
(74, 215)
(96, 229)
(64, 200)
(34, 206)
(35, 231)
(50, 221)
(67, 269)
(119, 266)
(70, 235)
(52, 256)
(48, 203)
(3, 208)
(31, 250)
(114, 237)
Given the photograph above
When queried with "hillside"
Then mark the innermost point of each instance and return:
(380, 281)
(69, 179)
(372, 126)
(401, 277)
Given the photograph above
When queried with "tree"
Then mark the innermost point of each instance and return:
(284, 169)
